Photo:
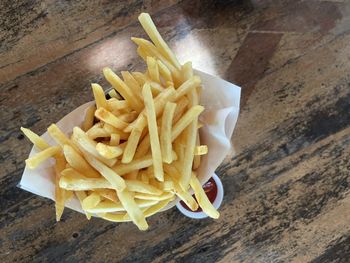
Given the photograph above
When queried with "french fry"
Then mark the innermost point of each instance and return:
(113, 94)
(107, 151)
(110, 129)
(81, 195)
(76, 161)
(184, 195)
(95, 132)
(108, 206)
(42, 156)
(87, 145)
(131, 146)
(38, 142)
(153, 71)
(128, 117)
(187, 86)
(139, 186)
(153, 131)
(142, 52)
(196, 158)
(135, 164)
(99, 95)
(152, 32)
(115, 139)
(163, 196)
(106, 116)
(201, 150)
(157, 207)
(131, 82)
(60, 137)
(191, 115)
(143, 147)
(109, 194)
(180, 109)
(115, 104)
(73, 180)
(143, 78)
(91, 201)
(202, 198)
(132, 209)
(89, 118)
(120, 217)
(165, 134)
(59, 193)
(123, 89)
(164, 72)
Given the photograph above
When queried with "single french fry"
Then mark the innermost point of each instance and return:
(108, 206)
(76, 161)
(129, 116)
(142, 52)
(152, 32)
(115, 139)
(139, 186)
(131, 146)
(120, 217)
(99, 95)
(180, 109)
(59, 193)
(106, 116)
(132, 209)
(38, 142)
(60, 137)
(109, 194)
(112, 130)
(113, 94)
(89, 118)
(81, 195)
(165, 134)
(153, 131)
(107, 151)
(42, 156)
(164, 72)
(143, 147)
(143, 78)
(187, 86)
(123, 89)
(153, 71)
(95, 132)
(187, 71)
(202, 198)
(191, 115)
(184, 195)
(135, 164)
(157, 207)
(197, 158)
(87, 145)
(111, 176)
(115, 104)
(201, 150)
(163, 196)
(91, 201)
(131, 82)
(72, 180)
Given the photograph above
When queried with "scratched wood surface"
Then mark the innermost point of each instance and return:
(287, 195)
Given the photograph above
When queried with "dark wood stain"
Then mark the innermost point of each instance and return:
(287, 185)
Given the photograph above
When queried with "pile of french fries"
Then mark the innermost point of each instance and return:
(138, 150)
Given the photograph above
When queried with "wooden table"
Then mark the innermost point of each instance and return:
(287, 195)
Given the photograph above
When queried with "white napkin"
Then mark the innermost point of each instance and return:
(221, 101)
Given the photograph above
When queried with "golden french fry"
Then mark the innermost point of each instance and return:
(81, 195)
(201, 150)
(131, 82)
(106, 116)
(39, 142)
(187, 86)
(107, 151)
(129, 116)
(110, 129)
(184, 195)
(139, 186)
(132, 209)
(163, 196)
(111, 176)
(187, 71)
(42, 156)
(152, 32)
(108, 206)
(95, 132)
(165, 134)
(115, 139)
(153, 71)
(197, 158)
(76, 161)
(164, 72)
(143, 78)
(120, 217)
(99, 95)
(202, 198)
(109, 194)
(73, 180)
(91, 201)
(113, 94)
(153, 131)
(191, 115)
(89, 118)
(59, 193)
(143, 147)
(87, 145)
(60, 137)
(135, 164)
(180, 109)
(131, 146)
(123, 89)
(157, 207)
(115, 104)
(142, 52)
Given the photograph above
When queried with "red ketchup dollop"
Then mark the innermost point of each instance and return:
(211, 191)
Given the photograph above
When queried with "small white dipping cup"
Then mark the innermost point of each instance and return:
(217, 202)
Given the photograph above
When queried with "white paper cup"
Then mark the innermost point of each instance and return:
(217, 202)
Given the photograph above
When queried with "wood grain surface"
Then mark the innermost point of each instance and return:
(287, 192)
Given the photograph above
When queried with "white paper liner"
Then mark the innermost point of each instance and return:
(221, 101)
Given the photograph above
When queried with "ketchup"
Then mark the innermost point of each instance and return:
(210, 190)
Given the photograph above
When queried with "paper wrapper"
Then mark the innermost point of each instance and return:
(221, 101)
